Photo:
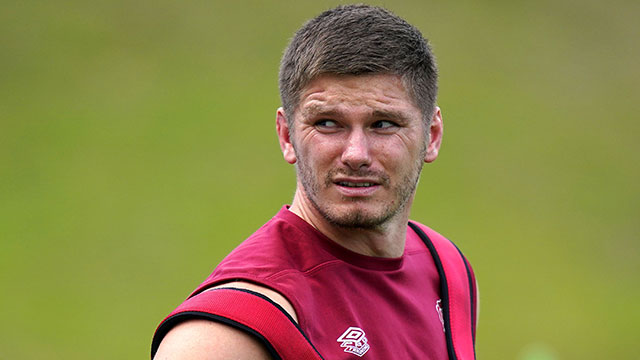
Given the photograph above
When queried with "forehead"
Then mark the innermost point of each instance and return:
(379, 93)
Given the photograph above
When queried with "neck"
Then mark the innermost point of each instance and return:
(387, 240)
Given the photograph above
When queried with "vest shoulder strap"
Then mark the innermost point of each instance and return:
(246, 310)
(457, 288)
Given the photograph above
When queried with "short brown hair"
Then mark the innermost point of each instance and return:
(355, 40)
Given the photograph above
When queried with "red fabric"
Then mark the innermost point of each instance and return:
(332, 289)
(256, 313)
(459, 295)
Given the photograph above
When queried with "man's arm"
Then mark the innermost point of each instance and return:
(209, 340)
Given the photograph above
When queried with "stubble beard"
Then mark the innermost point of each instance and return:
(358, 218)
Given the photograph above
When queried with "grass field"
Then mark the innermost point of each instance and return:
(137, 147)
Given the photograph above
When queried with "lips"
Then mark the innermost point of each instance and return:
(355, 184)
(356, 187)
(356, 181)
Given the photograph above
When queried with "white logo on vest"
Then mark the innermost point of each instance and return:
(440, 315)
(354, 341)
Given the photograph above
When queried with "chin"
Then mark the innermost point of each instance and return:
(356, 217)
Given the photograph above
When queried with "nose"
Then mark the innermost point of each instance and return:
(356, 152)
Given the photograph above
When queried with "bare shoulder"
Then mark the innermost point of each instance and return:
(209, 340)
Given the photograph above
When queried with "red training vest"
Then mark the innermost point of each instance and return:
(420, 305)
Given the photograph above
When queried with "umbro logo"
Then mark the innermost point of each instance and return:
(354, 341)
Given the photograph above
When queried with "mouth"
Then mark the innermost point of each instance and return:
(355, 184)
(356, 188)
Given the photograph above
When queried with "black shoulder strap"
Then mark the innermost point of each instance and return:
(457, 291)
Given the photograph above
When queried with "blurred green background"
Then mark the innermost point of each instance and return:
(137, 147)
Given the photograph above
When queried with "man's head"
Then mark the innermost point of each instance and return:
(358, 86)
(358, 40)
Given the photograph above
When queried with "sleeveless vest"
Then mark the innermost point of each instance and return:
(257, 315)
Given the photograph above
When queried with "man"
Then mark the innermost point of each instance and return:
(358, 119)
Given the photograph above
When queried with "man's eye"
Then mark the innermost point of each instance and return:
(325, 123)
(383, 124)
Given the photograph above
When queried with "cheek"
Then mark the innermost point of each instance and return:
(315, 158)
(389, 151)
(398, 158)
(324, 150)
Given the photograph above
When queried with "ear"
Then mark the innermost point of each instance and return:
(435, 136)
(282, 128)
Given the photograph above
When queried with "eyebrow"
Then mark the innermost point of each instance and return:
(315, 110)
(391, 115)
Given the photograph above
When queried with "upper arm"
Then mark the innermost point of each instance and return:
(208, 340)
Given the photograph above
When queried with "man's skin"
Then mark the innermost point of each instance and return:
(359, 129)
(208, 340)
(359, 143)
